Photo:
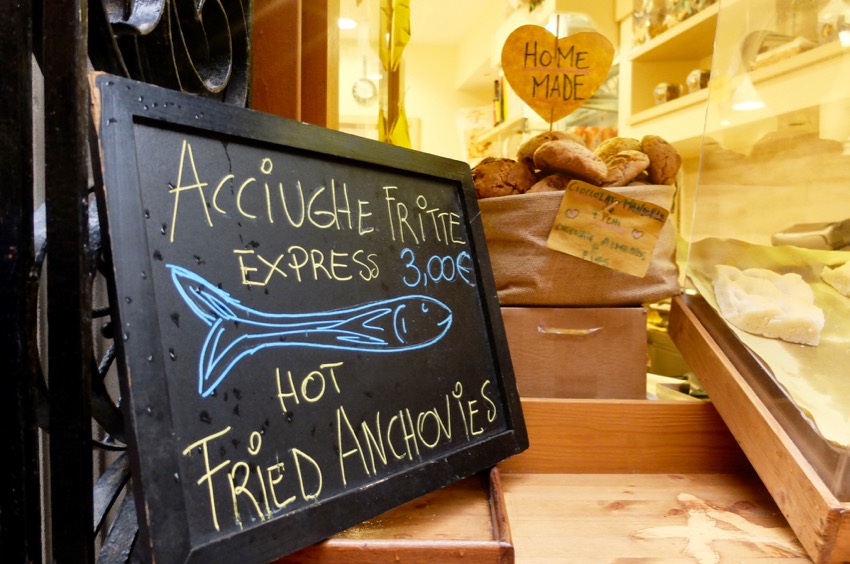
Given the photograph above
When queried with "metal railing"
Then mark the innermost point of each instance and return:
(65, 495)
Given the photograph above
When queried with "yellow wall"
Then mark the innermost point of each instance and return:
(431, 95)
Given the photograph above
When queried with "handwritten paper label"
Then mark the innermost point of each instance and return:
(555, 76)
(607, 228)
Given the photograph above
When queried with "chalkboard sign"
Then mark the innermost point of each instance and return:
(310, 333)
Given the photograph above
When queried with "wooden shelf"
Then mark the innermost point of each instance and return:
(695, 98)
(680, 121)
(669, 57)
(692, 38)
(778, 85)
(511, 127)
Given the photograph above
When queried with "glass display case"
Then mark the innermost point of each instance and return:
(767, 232)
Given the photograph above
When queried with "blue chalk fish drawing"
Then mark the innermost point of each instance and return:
(236, 331)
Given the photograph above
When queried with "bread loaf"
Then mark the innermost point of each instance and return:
(572, 159)
(501, 177)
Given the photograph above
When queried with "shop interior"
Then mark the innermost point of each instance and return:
(731, 86)
(669, 263)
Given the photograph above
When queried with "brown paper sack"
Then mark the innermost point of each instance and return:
(528, 273)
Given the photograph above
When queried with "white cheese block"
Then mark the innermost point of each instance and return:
(838, 277)
(760, 301)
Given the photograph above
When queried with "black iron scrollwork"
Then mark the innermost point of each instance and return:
(196, 46)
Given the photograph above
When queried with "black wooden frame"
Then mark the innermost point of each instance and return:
(56, 493)
(121, 104)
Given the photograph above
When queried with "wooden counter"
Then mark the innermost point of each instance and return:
(603, 481)
(820, 520)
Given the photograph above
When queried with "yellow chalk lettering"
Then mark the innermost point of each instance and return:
(208, 471)
(389, 199)
(246, 271)
(454, 227)
(239, 198)
(255, 443)
(299, 456)
(332, 365)
(443, 428)
(274, 481)
(198, 185)
(361, 215)
(457, 393)
(318, 260)
(337, 266)
(314, 376)
(291, 221)
(420, 428)
(472, 411)
(295, 263)
(272, 268)
(346, 209)
(402, 214)
(311, 213)
(369, 271)
(375, 444)
(408, 433)
(281, 394)
(491, 407)
(343, 454)
(242, 489)
(215, 194)
(264, 491)
(269, 203)
(393, 420)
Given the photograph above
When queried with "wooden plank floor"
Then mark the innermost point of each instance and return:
(618, 518)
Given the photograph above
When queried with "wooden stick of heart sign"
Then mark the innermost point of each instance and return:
(555, 76)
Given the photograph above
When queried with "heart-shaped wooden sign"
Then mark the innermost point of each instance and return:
(555, 76)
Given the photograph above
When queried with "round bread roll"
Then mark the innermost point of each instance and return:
(501, 177)
(625, 166)
(664, 160)
(614, 145)
(571, 159)
(552, 183)
(525, 152)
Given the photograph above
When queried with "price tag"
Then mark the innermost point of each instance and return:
(607, 228)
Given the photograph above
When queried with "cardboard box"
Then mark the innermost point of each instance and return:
(592, 353)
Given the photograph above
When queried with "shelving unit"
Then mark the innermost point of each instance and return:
(669, 57)
(508, 128)
(780, 87)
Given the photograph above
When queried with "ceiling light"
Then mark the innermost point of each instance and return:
(346, 23)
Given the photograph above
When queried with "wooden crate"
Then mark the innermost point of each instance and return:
(591, 352)
(819, 519)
